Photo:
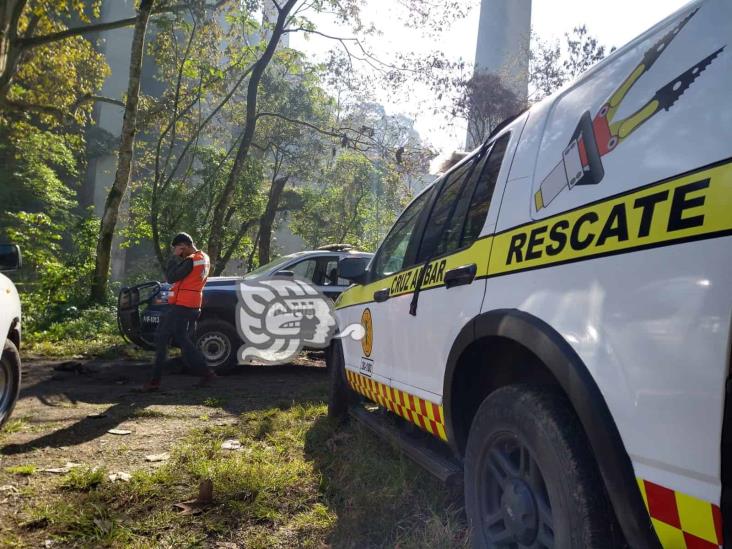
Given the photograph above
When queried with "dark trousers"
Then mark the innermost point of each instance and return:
(178, 324)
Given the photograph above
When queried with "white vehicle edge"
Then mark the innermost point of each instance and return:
(10, 318)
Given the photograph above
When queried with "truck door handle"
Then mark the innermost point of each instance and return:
(460, 275)
(381, 295)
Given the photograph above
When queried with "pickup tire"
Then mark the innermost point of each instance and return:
(530, 480)
(340, 394)
(219, 343)
(9, 380)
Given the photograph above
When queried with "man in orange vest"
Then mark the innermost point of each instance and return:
(188, 270)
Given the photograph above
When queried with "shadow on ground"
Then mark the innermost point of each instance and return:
(381, 497)
(115, 384)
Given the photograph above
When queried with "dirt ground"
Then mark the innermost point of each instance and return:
(66, 411)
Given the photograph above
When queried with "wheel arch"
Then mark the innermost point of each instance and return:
(14, 332)
(560, 361)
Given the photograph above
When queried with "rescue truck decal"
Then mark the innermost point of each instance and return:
(367, 342)
(424, 414)
(581, 162)
(684, 208)
(680, 520)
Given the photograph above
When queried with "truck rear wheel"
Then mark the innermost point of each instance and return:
(340, 395)
(530, 480)
(9, 380)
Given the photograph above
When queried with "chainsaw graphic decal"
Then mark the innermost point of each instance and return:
(581, 162)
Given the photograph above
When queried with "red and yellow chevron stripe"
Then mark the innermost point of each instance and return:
(423, 413)
(682, 521)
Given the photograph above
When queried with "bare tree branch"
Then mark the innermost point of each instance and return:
(368, 57)
(88, 97)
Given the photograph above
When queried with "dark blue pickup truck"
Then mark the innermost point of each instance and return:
(141, 308)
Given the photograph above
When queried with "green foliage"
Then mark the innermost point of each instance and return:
(37, 162)
(355, 203)
(58, 261)
(41, 150)
(95, 321)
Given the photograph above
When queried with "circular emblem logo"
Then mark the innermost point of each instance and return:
(368, 339)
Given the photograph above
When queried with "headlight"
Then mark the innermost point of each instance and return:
(161, 298)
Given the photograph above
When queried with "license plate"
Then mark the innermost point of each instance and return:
(150, 319)
(367, 367)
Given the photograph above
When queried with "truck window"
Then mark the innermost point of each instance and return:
(436, 233)
(305, 269)
(452, 237)
(392, 255)
(483, 193)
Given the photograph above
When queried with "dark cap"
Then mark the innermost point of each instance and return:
(182, 238)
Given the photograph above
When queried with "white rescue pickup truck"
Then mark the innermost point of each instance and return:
(10, 260)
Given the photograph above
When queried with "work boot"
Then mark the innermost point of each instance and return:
(206, 380)
(151, 386)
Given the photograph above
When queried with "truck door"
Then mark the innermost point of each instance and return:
(373, 356)
(456, 259)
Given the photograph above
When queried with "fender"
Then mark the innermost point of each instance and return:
(578, 384)
(218, 303)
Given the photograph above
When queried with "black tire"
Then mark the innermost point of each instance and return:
(530, 479)
(340, 395)
(9, 380)
(219, 343)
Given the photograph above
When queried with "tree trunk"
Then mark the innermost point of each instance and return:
(10, 51)
(217, 224)
(250, 259)
(226, 257)
(124, 163)
(267, 220)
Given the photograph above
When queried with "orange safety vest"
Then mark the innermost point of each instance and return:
(188, 292)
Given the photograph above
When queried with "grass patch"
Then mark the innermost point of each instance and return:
(13, 426)
(97, 346)
(24, 470)
(91, 521)
(83, 479)
(299, 481)
(214, 402)
(148, 413)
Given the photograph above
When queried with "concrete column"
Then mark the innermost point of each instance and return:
(504, 33)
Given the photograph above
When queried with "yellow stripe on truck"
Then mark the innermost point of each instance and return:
(404, 282)
(694, 206)
(690, 207)
(423, 413)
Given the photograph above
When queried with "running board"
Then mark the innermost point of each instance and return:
(441, 465)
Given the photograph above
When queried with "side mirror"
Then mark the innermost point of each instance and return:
(289, 274)
(10, 258)
(353, 269)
